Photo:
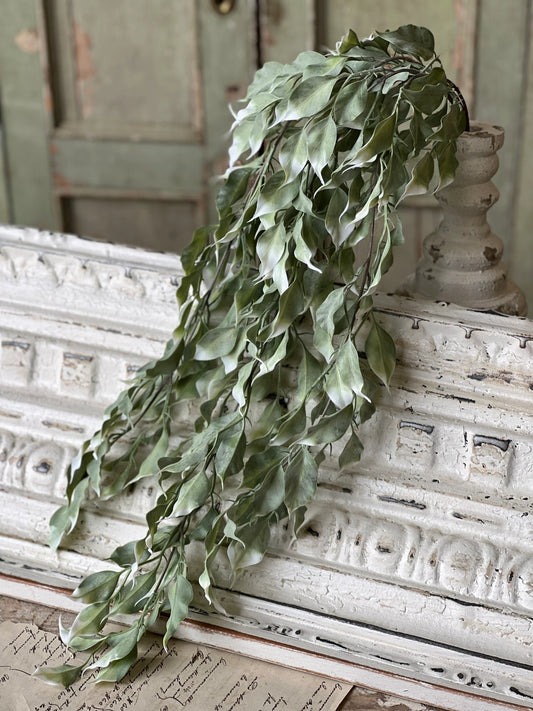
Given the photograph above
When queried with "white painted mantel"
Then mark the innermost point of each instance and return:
(418, 563)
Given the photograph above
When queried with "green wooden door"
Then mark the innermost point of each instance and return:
(114, 114)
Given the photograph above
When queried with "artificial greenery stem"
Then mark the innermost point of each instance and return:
(277, 350)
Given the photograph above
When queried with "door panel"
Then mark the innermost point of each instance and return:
(127, 108)
(133, 221)
(120, 71)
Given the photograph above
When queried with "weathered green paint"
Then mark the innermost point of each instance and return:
(286, 28)
(170, 168)
(499, 95)
(25, 118)
(227, 58)
(122, 70)
(140, 115)
(447, 19)
(144, 222)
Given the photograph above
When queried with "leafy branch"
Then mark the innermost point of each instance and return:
(324, 150)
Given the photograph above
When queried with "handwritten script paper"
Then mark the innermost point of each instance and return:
(185, 677)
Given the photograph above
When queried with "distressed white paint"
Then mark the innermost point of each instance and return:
(462, 258)
(418, 563)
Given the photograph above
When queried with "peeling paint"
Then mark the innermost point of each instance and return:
(62, 182)
(85, 70)
(404, 502)
(502, 444)
(62, 426)
(428, 429)
(28, 41)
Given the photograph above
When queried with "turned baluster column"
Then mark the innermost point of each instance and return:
(461, 260)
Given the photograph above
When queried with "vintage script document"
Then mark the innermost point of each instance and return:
(187, 676)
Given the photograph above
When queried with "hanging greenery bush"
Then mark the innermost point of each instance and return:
(271, 314)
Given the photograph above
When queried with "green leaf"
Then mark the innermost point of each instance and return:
(276, 194)
(380, 141)
(238, 392)
(291, 426)
(117, 669)
(380, 352)
(180, 596)
(133, 595)
(232, 190)
(422, 176)
(293, 155)
(216, 343)
(330, 66)
(63, 675)
(229, 456)
(269, 493)
(309, 98)
(452, 125)
(325, 323)
(309, 374)
(300, 480)
(97, 587)
(89, 621)
(418, 41)
(291, 305)
(124, 555)
(65, 518)
(257, 104)
(275, 352)
(240, 140)
(258, 466)
(193, 494)
(321, 141)
(308, 58)
(149, 465)
(427, 98)
(200, 531)
(279, 274)
(349, 41)
(121, 645)
(330, 428)
(271, 247)
(255, 539)
(192, 251)
(397, 237)
(344, 379)
(351, 453)
(265, 76)
(337, 206)
(447, 162)
(351, 102)
(86, 643)
(302, 251)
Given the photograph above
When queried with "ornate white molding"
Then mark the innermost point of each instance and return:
(419, 562)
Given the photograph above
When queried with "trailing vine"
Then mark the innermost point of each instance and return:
(277, 346)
